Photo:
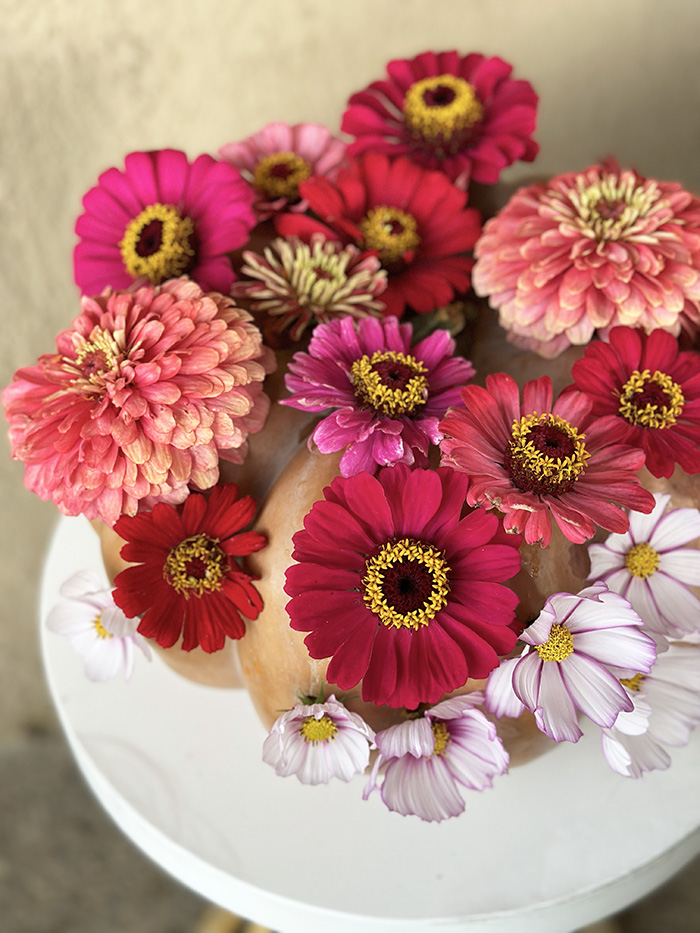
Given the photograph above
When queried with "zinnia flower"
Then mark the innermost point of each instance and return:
(397, 590)
(279, 157)
(462, 115)
(671, 705)
(388, 396)
(160, 218)
(415, 220)
(590, 250)
(424, 761)
(302, 284)
(649, 391)
(318, 742)
(536, 461)
(652, 567)
(187, 581)
(566, 664)
(145, 393)
(98, 631)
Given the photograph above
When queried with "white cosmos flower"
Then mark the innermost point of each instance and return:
(652, 566)
(667, 701)
(570, 661)
(97, 629)
(423, 761)
(318, 742)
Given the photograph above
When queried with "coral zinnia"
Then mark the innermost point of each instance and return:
(388, 395)
(416, 220)
(145, 393)
(537, 460)
(648, 393)
(461, 115)
(653, 567)
(397, 590)
(160, 218)
(571, 652)
(590, 250)
(303, 284)
(279, 157)
(186, 580)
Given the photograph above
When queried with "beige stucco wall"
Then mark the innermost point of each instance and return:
(82, 82)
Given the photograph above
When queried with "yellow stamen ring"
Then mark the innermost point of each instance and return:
(100, 630)
(280, 174)
(318, 730)
(195, 566)
(442, 736)
(558, 646)
(390, 231)
(530, 464)
(633, 683)
(395, 568)
(440, 108)
(390, 382)
(157, 244)
(642, 560)
(651, 400)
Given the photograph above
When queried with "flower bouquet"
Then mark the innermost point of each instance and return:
(434, 531)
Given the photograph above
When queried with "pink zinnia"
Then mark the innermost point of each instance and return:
(146, 391)
(590, 250)
(279, 157)
(539, 460)
(400, 591)
(648, 393)
(160, 218)
(415, 220)
(464, 116)
(388, 397)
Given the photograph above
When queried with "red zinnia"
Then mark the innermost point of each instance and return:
(400, 591)
(537, 460)
(187, 581)
(415, 220)
(648, 395)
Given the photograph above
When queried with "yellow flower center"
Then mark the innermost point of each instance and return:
(642, 560)
(651, 400)
(280, 174)
(391, 232)
(318, 730)
(611, 208)
(390, 382)
(100, 630)
(195, 566)
(633, 683)
(546, 454)
(158, 244)
(406, 583)
(442, 736)
(440, 111)
(558, 646)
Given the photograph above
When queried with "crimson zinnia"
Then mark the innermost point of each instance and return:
(416, 221)
(400, 591)
(187, 581)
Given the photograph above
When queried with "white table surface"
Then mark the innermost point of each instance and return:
(556, 844)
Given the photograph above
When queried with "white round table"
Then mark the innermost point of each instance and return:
(556, 844)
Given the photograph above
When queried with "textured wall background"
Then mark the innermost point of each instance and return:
(84, 82)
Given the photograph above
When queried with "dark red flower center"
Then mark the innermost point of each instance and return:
(546, 455)
(150, 238)
(280, 174)
(438, 96)
(441, 114)
(651, 400)
(196, 566)
(159, 244)
(390, 383)
(392, 233)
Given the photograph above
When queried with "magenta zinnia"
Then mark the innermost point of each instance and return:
(186, 581)
(648, 393)
(416, 221)
(400, 591)
(387, 396)
(539, 460)
(590, 250)
(464, 116)
(302, 284)
(160, 218)
(146, 391)
(277, 158)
